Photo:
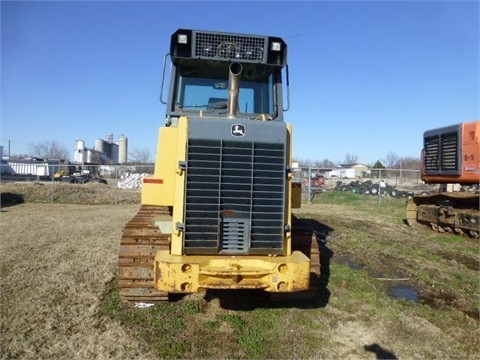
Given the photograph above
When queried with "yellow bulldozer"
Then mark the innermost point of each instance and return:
(217, 213)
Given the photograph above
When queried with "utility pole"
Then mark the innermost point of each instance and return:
(9, 153)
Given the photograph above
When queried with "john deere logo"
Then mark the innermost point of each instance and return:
(238, 130)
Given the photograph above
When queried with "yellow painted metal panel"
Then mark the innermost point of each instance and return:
(179, 193)
(288, 192)
(296, 195)
(160, 188)
(187, 274)
(166, 186)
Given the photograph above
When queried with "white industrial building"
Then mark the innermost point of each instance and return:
(104, 151)
(31, 167)
(350, 171)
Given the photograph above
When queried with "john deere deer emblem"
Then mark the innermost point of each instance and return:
(238, 130)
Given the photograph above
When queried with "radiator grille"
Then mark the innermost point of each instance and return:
(234, 200)
(229, 46)
(432, 153)
(441, 153)
(235, 235)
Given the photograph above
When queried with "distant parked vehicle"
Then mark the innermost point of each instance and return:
(78, 178)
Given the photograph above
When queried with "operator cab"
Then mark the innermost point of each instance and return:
(202, 85)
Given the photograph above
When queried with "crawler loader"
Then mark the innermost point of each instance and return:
(450, 155)
(217, 213)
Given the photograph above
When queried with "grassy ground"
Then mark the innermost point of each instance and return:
(63, 193)
(59, 299)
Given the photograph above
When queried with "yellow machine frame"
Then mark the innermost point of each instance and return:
(178, 273)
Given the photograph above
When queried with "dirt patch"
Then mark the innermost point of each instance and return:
(470, 262)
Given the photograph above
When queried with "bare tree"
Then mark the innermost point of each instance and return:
(410, 163)
(350, 159)
(303, 162)
(324, 164)
(139, 156)
(49, 149)
(392, 160)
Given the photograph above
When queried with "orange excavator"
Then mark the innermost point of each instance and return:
(451, 159)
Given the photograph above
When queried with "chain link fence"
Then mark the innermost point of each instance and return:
(316, 180)
(313, 180)
(45, 171)
(44, 182)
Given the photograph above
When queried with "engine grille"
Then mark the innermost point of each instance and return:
(235, 195)
(229, 46)
(441, 153)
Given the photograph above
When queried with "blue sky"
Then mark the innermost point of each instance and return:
(366, 78)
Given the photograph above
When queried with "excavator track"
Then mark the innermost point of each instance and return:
(141, 240)
(455, 212)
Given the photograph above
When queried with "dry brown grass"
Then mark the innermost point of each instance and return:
(53, 192)
(55, 263)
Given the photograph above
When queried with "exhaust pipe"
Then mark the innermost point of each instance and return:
(235, 70)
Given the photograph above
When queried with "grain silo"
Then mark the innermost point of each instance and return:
(90, 156)
(122, 149)
(114, 153)
(79, 157)
(99, 145)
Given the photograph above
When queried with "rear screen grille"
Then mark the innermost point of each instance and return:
(234, 197)
(442, 153)
(449, 152)
(229, 46)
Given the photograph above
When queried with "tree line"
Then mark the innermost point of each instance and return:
(390, 161)
(52, 149)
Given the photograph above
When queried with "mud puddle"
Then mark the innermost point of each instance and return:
(408, 292)
(404, 292)
(345, 260)
(401, 291)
